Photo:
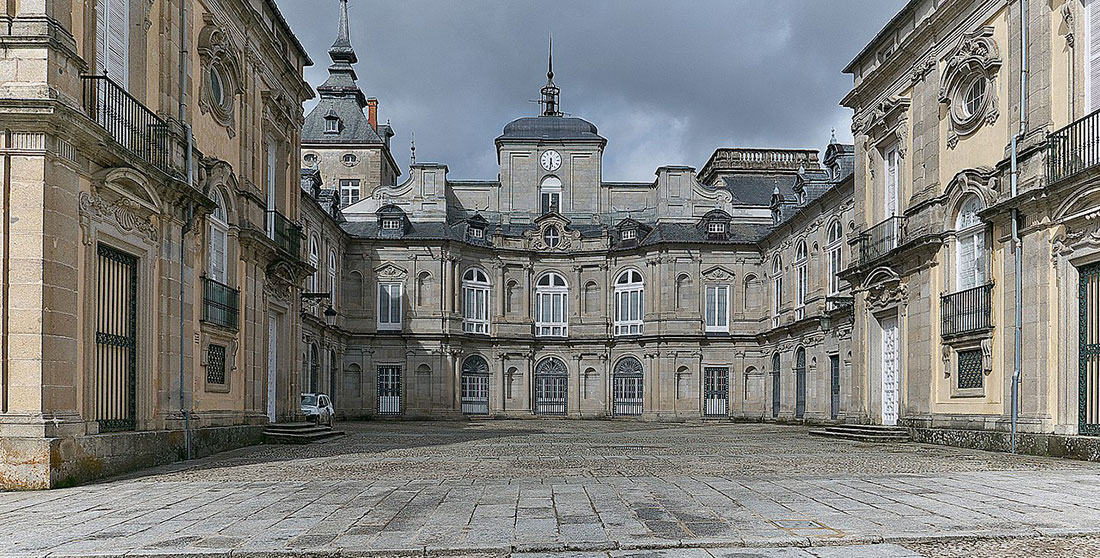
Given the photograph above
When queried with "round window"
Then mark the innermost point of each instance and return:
(551, 236)
(310, 159)
(217, 87)
(350, 159)
(974, 97)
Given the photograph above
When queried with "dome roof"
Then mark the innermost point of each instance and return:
(550, 127)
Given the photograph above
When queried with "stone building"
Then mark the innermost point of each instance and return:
(150, 262)
(976, 201)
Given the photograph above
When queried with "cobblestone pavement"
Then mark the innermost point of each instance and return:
(601, 487)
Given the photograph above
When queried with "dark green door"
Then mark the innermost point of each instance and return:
(1089, 348)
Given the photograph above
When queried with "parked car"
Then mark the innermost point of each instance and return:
(317, 407)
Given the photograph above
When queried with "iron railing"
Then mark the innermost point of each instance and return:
(220, 303)
(1073, 149)
(130, 123)
(881, 239)
(967, 311)
(833, 303)
(284, 232)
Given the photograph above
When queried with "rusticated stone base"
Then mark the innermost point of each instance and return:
(42, 463)
(1053, 445)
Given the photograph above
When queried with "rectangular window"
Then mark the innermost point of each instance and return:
(389, 390)
(716, 228)
(391, 224)
(834, 269)
(551, 316)
(970, 369)
(115, 340)
(891, 181)
(215, 364)
(476, 232)
(803, 288)
(1092, 57)
(332, 125)
(113, 40)
(630, 234)
(389, 306)
(717, 308)
(349, 192)
(629, 311)
(475, 309)
(551, 201)
(777, 300)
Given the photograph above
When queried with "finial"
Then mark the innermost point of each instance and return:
(341, 50)
(550, 60)
(832, 141)
(550, 103)
(412, 150)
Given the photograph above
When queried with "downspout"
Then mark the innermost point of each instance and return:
(185, 57)
(1016, 247)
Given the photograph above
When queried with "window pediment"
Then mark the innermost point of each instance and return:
(718, 273)
(390, 272)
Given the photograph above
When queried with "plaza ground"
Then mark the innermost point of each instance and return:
(583, 489)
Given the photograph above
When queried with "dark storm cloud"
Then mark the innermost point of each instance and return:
(665, 82)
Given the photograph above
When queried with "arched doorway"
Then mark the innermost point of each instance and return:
(475, 386)
(800, 383)
(627, 386)
(551, 387)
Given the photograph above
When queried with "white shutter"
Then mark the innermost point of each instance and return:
(117, 53)
(979, 258)
(891, 183)
(964, 276)
(1092, 75)
(101, 9)
(217, 253)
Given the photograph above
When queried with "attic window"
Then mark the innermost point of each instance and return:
(350, 159)
(716, 227)
(477, 232)
(332, 125)
(391, 224)
(630, 234)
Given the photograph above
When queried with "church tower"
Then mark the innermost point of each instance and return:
(350, 148)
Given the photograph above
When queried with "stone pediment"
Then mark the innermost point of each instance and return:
(718, 273)
(390, 271)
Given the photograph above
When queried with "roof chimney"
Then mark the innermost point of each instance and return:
(372, 113)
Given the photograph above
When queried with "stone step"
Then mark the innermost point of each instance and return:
(869, 429)
(293, 427)
(303, 437)
(857, 436)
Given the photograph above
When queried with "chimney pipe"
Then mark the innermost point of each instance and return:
(372, 113)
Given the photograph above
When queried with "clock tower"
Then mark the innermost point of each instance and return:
(550, 163)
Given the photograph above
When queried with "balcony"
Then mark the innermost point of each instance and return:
(967, 311)
(284, 232)
(840, 303)
(1073, 149)
(880, 239)
(131, 124)
(220, 303)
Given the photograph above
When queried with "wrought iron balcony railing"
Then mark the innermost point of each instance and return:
(130, 123)
(881, 239)
(1073, 149)
(284, 232)
(833, 303)
(220, 303)
(967, 311)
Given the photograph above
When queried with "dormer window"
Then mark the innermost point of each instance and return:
(391, 224)
(332, 125)
(716, 228)
(350, 159)
(630, 234)
(477, 233)
(552, 237)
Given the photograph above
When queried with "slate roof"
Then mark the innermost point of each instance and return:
(757, 189)
(690, 233)
(551, 127)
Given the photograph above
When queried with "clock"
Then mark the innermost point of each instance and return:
(551, 160)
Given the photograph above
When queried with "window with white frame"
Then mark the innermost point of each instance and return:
(716, 227)
(219, 240)
(391, 224)
(777, 289)
(891, 181)
(970, 253)
(349, 191)
(629, 303)
(477, 232)
(315, 261)
(113, 40)
(718, 308)
(630, 234)
(333, 282)
(389, 306)
(475, 301)
(550, 194)
(836, 247)
(802, 286)
(551, 306)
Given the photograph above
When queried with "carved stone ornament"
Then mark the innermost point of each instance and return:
(122, 213)
(220, 78)
(281, 279)
(987, 356)
(885, 292)
(390, 272)
(968, 86)
(946, 356)
(537, 238)
(718, 273)
(923, 68)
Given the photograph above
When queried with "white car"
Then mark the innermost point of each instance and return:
(317, 407)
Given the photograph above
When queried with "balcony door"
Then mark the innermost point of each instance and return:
(113, 40)
(892, 180)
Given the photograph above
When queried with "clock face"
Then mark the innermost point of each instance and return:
(551, 160)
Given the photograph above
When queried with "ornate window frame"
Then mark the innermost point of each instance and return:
(976, 58)
(218, 60)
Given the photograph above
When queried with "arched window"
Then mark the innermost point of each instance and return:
(475, 386)
(550, 195)
(551, 306)
(315, 261)
(836, 250)
(475, 301)
(627, 384)
(801, 259)
(629, 303)
(333, 283)
(970, 245)
(219, 240)
(777, 289)
(551, 387)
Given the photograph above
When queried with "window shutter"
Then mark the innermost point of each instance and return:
(101, 11)
(217, 253)
(118, 41)
(979, 258)
(965, 272)
(1093, 56)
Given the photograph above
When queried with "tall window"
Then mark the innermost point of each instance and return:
(270, 170)
(315, 261)
(1092, 76)
(349, 191)
(113, 40)
(550, 194)
(219, 234)
(717, 308)
(891, 180)
(475, 296)
(970, 239)
(389, 306)
(835, 246)
(333, 283)
(777, 289)
(802, 277)
(551, 306)
(629, 303)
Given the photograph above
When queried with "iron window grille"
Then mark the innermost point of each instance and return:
(970, 369)
(215, 364)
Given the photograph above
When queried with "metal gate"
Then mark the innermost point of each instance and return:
(776, 385)
(1089, 351)
(551, 387)
(627, 388)
(475, 386)
(116, 340)
(834, 373)
(716, 392)
(891, 357)
(800, 383)
(389, 390)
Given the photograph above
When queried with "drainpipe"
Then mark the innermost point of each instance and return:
(189, 163)
(1016, 245)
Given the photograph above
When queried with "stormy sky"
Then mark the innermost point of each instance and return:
(665, 82)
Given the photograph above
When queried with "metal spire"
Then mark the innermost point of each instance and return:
(341, 50)
(550, 61)
(550, 92)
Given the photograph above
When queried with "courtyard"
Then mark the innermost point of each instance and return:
(582, 489)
